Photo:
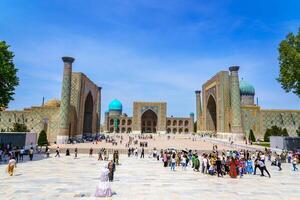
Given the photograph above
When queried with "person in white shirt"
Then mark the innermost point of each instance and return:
(204, 164)
(22, 151)
(12, 163)
(294, 163)
(263, 168)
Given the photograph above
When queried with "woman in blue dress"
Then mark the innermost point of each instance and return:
(249, 167)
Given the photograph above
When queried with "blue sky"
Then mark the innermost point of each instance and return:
(142, 50)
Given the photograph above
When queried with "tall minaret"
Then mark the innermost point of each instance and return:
(198, 109)
(236, 125)
(99, 110)
(65, 101)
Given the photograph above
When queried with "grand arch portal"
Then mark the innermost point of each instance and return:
(211, 116)
(88, 115)
(149, 122)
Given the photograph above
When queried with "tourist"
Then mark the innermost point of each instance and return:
(183, 161)
(22, 152)
(165, 159)
(204, 164)
(262, 157)
(129, 152)
(17, 154)
(103, 189)
(196, 163)
(294, 163)
(142, 153)
(57, 152)
(100, 155)
(242, 166)
(48, 153)
(91, 152)
(278, 162)
(112, 168)
(211, 170)
(76, 151)
(12, 163)
(173, 162)
(233, 167)
(256, 165)
(289, 157)
(67, 152)
(116, 157)
(263, 168)
(249, 166)
(31, 153)
(136, 152)
(219, 167)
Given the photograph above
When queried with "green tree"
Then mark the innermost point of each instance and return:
(284, 132)
(8, 75)
(298, 131)
(289, 62)
(251, 136)
(17, 127)
(275, 131)
(267, 135)
(42, 140)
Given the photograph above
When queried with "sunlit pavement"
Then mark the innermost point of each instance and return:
(69, 178)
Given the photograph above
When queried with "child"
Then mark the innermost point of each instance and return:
(249, 168)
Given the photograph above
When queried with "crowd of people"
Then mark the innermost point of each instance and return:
(220, 163)
(13, 154)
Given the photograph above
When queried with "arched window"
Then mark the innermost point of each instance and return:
(180, 130)
(174, 123)
(180, 123)
(186, 122)
(168, 122)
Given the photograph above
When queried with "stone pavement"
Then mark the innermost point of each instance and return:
(138, 179)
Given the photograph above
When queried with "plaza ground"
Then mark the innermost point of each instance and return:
(159, 142)
(138, 179)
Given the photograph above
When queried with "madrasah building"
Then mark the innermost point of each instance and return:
(225, 107)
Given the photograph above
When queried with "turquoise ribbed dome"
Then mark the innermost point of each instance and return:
(115, 105)
(246, 88)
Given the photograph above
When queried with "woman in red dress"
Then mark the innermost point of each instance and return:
(234, 163)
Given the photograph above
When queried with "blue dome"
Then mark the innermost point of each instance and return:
(115, 105)
(246, 88)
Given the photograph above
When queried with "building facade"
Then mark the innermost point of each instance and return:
(77, 113)
(227, 107)
(148, 117)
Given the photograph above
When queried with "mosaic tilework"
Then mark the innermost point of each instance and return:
(285, 119)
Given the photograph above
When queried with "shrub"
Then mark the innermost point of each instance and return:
(252, 136)
(42, 141)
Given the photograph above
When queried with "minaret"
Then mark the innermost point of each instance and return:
(65, 100)
(236, 125)
(99, 109)
(198, 109)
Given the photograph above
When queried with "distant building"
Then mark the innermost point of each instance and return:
(227, 107)
(75, 115)
(148, 117)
